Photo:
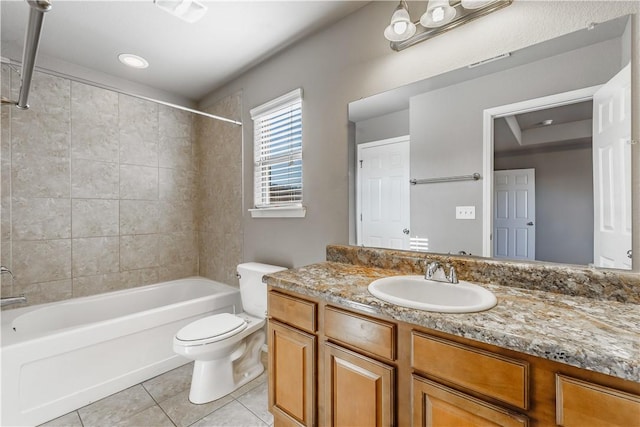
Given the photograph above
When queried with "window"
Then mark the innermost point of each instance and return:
(277, 143)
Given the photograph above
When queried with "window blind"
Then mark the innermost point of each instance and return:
(278, 151)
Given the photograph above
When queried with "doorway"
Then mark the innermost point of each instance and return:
(383, 209)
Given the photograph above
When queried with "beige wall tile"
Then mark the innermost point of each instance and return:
(43, 129)
(41, 219)
(174, 122)
(139, 217)
(176, 153)
(177, 215)
(177, 184)
(92, 285)
(180, 271)
(94, 217)
(135, 151)
(95, 255)
(138, 182)
(43, 292)
(138, 119)
(141, 277)
(138, 252)
(94, 123)
(177, 248)
(94, 180)
(41, 261)
(5, 216)
(38, 176)
(6, 281)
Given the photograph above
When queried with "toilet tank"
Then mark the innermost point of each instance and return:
(252, 291)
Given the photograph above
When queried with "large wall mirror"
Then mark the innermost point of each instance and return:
(523, 156)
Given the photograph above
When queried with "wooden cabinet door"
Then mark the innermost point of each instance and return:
(359, 391)
(583, 404)
(435, 405)
(292, 382)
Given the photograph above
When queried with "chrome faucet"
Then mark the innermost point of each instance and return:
(12, 300)
(4, 269)
(434, 266)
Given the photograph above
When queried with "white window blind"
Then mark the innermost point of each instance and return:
(278, 152)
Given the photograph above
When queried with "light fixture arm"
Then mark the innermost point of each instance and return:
(463, 16)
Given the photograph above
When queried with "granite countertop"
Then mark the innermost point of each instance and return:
(601, 336)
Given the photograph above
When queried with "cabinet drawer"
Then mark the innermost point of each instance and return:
(584, 404)
(372, 335)
(490, 374)
(293, 311)
(437, 405)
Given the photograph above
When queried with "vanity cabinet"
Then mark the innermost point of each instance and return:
(359, 390)
(331, 366)
(292, 360)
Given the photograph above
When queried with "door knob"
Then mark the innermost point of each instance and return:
(530, 223)
(405, 231)
(629, 253)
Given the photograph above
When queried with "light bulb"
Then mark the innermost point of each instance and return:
(400, 27)
(437, 14)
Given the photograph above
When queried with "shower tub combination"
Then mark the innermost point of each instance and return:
(61, 356)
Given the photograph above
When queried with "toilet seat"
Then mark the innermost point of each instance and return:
(210, 329)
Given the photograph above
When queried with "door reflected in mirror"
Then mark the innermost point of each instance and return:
(555, 178)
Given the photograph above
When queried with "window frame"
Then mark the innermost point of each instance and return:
(293, 209)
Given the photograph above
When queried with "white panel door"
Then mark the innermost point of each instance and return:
(612, 172)
(514, 214)
(384, 193)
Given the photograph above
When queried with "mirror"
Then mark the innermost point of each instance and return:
(449, 127)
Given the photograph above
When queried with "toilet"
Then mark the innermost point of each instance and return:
(226, 347)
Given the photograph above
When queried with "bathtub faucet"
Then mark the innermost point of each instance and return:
(12, 300)
(4, 269)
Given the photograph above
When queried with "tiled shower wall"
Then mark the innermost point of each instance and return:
(219, 158)
(98, 191)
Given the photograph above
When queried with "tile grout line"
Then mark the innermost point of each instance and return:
(158, 403)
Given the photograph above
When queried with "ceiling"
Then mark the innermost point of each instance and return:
(186, 60)
(571, 127)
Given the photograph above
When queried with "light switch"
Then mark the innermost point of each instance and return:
(465, 212)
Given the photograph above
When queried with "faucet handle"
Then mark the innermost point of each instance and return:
(453, 277)
(4, 269)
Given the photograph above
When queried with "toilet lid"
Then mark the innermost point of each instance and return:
(219, 325)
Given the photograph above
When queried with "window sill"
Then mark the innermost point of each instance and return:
(279, 212)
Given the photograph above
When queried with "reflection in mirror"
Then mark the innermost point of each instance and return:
(444, 118)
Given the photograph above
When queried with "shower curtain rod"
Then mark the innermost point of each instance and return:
(32, 38)
(123, 92)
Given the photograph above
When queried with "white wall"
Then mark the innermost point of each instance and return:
(351, 60)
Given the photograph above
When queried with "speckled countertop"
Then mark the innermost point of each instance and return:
(602, 336)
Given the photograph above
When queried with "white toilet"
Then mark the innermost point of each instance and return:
(226, 347)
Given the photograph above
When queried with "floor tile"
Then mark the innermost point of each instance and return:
(72, 419)
(151, 417)
(257, 402)
(261, 379)
(116, 407)
(231, 415)
(170, 383)
(183, 413)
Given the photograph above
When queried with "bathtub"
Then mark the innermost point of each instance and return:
(61, 356)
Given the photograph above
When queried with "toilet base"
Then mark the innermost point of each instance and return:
(214, 379)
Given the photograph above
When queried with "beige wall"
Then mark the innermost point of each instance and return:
(351, 60)
(219, 161)
(97, 191)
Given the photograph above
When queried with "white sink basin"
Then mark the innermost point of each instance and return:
(417, 292)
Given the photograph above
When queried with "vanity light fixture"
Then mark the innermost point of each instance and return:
(133, 61)
(440, 16)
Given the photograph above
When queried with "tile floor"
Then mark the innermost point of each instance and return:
(164, 401)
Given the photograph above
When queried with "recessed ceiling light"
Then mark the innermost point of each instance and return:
(187, 10)
(545, 122)
(133, 61)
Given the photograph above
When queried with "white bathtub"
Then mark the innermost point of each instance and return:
(61, 356)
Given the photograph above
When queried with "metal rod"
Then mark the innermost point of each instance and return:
(114, 89)
(476, 176)
(31, 41)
